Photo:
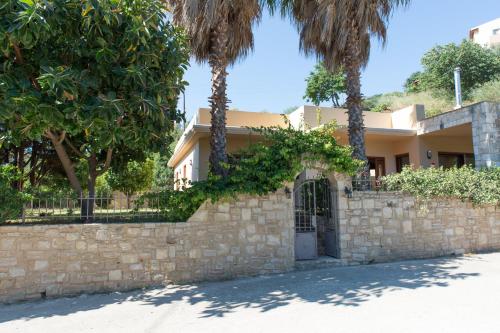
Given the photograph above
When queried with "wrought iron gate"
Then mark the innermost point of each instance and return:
(315, 219)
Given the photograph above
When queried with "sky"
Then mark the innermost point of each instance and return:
(272, 78)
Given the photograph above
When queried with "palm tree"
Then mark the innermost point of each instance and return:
(338, 32)
(220, 32)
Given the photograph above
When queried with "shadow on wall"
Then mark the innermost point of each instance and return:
(347, 286)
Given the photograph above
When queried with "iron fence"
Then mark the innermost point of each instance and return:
(119, 208)
(367, 184)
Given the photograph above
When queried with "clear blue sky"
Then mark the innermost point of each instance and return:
(272, 77)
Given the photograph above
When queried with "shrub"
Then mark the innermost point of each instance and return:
(380, 107)
(262, 168)
(481, 187)
(11, 200)
(490, 91)
(478, 65)
(398, 100)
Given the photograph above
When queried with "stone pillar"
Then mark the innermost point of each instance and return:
(486, 133)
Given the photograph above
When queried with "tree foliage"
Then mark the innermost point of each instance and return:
(132, 178)
(478, 65)
(263, 167)
(163, 175)
(325, 86)
(11, 200)
(415, 83)
(97, 78)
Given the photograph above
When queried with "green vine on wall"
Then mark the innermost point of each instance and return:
(264, 167)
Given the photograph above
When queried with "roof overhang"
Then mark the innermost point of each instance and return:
(385, 131)
(186, 139)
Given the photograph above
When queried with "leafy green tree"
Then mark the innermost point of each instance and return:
(478, 65)
(163, 174)
(415, 83)
(134, 177)
(220, 32)
(325, 86)
(96, 78)
(11, 200)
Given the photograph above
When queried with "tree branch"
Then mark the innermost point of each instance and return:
(62, 137)
(65, 160)
(20, 61)
(73, 148)
(19, 55)
(107, 164)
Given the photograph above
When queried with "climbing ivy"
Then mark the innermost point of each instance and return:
(264, 167)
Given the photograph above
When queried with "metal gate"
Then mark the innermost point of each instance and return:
(315, 219)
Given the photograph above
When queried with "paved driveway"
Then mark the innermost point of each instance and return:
(441, 295)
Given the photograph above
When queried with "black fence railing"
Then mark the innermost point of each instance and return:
(113, 208)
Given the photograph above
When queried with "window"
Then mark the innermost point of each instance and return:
(449, 160)
(184, 173)
(401, 161)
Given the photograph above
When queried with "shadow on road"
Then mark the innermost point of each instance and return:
(346, 286)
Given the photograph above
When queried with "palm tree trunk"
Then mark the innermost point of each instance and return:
(218, 100)
(356, 128)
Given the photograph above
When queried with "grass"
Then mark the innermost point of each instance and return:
(490, 92)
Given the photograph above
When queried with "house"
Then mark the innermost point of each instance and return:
(487, 34)
(468, 135)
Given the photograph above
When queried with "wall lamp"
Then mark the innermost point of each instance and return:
(348, 192)
(287, 192)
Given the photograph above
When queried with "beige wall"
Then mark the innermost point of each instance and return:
(327, 115)
(204, 156)
(380, 141)
(296, 118)
(191, 163)
(442, 144)
(243, 118)
(484, 34)
(408, 117)
(234, 144)
(387, 146)
(247, 236)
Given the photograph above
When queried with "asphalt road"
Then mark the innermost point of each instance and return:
(440, 295)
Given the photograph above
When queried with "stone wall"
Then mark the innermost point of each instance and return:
(484, 118)
(388, 226)
(248, 236)
(486, 134)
